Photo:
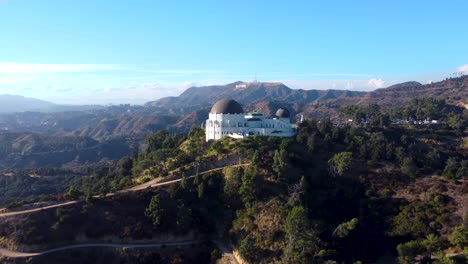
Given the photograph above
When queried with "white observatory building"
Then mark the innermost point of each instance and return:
(227, 119)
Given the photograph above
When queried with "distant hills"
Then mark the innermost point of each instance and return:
(453, 90)
(33, 129)
(195, 102)
(196, 98)
(180, 113)
(28, 150)
(16, 103)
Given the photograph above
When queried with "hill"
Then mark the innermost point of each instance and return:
(196, 98)
(16, 103)
(453, 90)
(195, 102)
(100, 124)
(30, 150)
(332, 194)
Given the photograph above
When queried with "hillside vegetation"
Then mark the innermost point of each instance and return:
(332, 193)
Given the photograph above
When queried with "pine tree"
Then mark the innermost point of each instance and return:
(248, 187)
(303, 242)
(154, 211)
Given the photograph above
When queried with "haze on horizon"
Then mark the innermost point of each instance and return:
(88, 52)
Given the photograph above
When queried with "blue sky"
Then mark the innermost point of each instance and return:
(103, 51)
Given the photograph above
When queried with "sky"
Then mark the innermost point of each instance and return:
(122, 51)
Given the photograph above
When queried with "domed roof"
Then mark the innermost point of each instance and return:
(282, 113)
(227, 106)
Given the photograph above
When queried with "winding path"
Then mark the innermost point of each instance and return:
(227, 253)
(16, 254)
(150, 184)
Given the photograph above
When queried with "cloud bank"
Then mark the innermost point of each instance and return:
(463, 69)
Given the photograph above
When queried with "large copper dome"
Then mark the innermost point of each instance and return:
(227, 106)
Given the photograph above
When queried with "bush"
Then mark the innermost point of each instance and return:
(407, 251)
(459, 236)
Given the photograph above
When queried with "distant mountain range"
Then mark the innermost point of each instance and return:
(16, 103)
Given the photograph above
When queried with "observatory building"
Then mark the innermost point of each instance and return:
(227, 119)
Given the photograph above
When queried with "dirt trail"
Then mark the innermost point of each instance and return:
(152, 183)
(16, 254)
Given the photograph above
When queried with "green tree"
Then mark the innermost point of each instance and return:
(279, 164)
(248, 250)
(451, 167)
(459, 236)
(74, 193)
(407, 251)
(412, 220)
(432, 243)
(303, 242)
(184, 218)
(233, 182)
(442, 258)
(156, 140)
(462, 170)
(344, 229)
(455, 122)
(248, 187)
(154, 212)
(340, 163)
(409, 168)
(256, 158)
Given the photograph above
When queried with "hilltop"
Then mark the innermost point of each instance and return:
(245, 93)
(195, 103)
(16, 103)
(190, 108)
(453, 90)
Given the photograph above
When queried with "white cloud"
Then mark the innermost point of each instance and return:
(33, 68)
(375, 83)
(463, 69)
(349, 86)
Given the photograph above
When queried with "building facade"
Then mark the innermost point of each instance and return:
(227, 119)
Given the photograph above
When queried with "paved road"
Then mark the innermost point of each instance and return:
(152, 183)
(16, 254)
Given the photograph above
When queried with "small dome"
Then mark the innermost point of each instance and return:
(282, 113)
(227, 106)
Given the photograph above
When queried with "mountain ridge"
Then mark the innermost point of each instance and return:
(246, 93)
(17, 103)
